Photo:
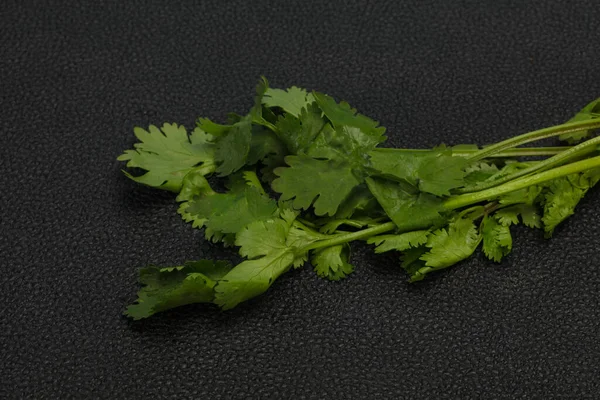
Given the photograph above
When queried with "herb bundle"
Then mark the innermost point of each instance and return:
(306, 177)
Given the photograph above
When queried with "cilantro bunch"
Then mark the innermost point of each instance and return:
(305, 176)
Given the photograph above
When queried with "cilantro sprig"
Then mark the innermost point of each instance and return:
(305, 176)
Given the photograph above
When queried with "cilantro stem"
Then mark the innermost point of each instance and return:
(349, 237)
(522, 183)
(313, 232)
(514, 152)
(307, 223)
(582, 149)
(556, 130)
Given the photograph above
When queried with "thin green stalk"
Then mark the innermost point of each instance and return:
(582, 149)
(473, 198)
(313, 232)
(556, 130)
(349, 237)
(516, 152)
(307, 223)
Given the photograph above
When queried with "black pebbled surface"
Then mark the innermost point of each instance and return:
(76, 78)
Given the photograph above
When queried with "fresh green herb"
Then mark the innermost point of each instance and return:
(306, 176)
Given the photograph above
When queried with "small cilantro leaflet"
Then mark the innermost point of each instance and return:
(292, 100)
(233, 142)
(408, 209)
(194, 187)
(332, 262)
(401, 242)
(335, 182)
(402, 166)
(480, 172)
(166, 288)
(232, 148)
(510, 215)
(345, 144)
(230, 212)
(264, 144)
(412, 263)
(212, 128)
(451, 245)
(560, 199)
(298, 133)
(360, 202)
(260, 238)
(528, 195)
(590, 111)
(435, 172)
(269, 151)
(497, 241)
(343, 115)
(168, 154)
(251, 278)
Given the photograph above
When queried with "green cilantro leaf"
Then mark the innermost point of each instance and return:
(480, 172)
(590, 111)
(298, 133)
(291, 101)
(297, 239)
(510, 215)
(252, 180)
(497, 241)
(332, 262)
(267, 149)
(343, 115)
(412, 263)
(212, 128)
(396, 165)
(529, 195)
(264, 143)
(509, 168)
(230, 212)
(215, 236)
(360, 202)
(233, 142)
(440, 172)
(408, 209)
(233, 147)
(401, 242)
(530, 216)
(331, 184)
(591, 177)
(260, 238)
(346, 144)
(435, 172)
(560, 199)
(194, 187)
(450, 245)
(168, 154)
(251, 278)
(166, 288)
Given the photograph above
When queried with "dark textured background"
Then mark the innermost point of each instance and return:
(76, 78)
